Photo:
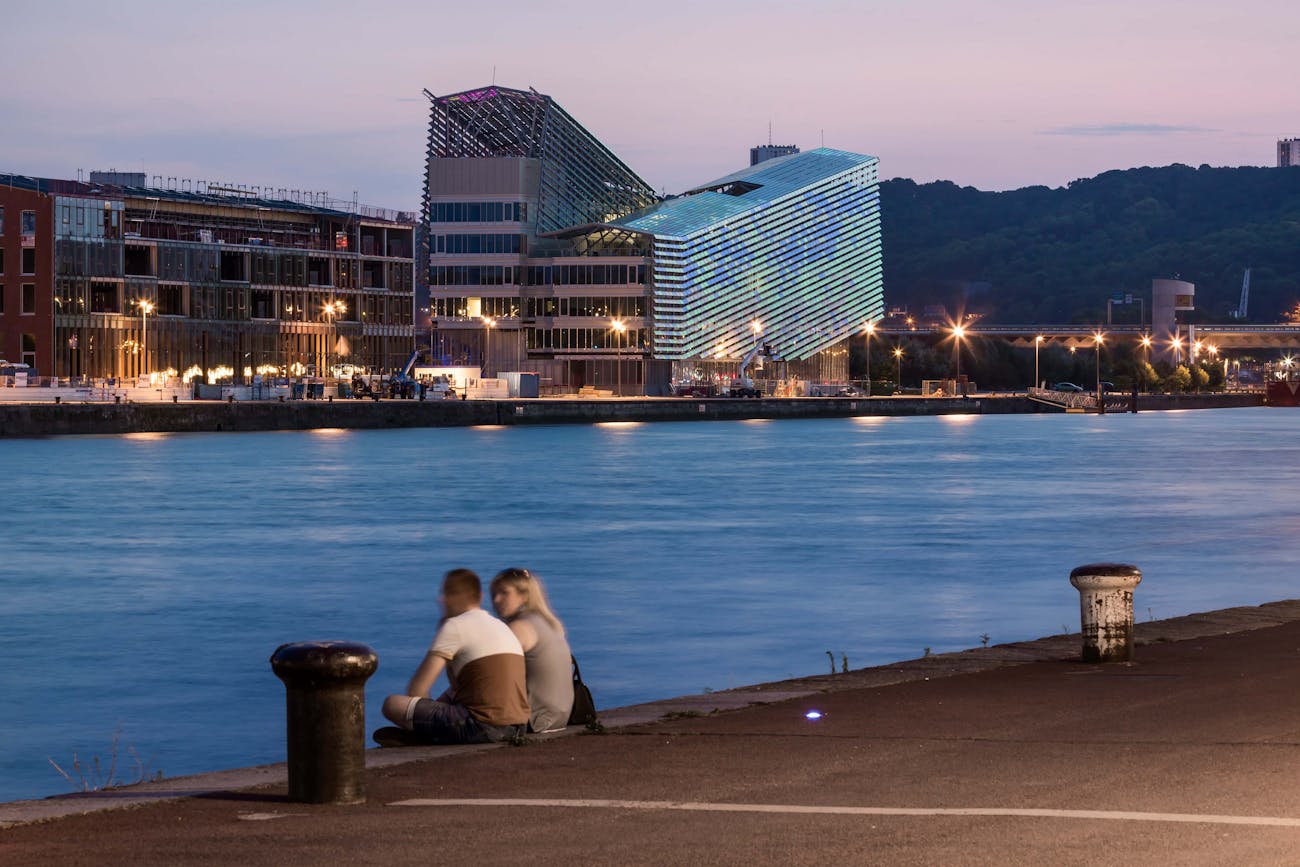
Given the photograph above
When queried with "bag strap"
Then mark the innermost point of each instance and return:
(577, 672)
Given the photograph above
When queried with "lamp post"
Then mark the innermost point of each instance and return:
(898, 367)
(1097, 339)
(957, 334)
(488, 324)
(1038, 341)
(331, 309)
(620, 329)
(870, 329)
(146, 307)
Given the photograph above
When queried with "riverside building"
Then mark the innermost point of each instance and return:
(117, 277)
(547, 253)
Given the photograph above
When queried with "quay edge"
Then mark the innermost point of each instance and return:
(45, 419)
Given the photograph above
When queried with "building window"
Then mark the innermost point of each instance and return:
(2, 221)
(29, 260)
(29, 298)
(2, 299)
(29, 223)
(2, 261)
(29, 350)
(103, 298)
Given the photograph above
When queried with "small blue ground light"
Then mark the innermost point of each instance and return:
(813, 715)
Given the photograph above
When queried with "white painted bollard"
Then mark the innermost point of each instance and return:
(1106, 610)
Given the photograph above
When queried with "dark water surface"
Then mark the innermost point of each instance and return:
(146, 579)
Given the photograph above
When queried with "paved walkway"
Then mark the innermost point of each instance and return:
(1008, 755)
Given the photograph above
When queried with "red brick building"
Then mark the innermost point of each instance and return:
(26, 277)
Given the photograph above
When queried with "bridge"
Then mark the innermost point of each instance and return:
(1222, 337)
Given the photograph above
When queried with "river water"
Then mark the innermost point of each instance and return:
(147, 579)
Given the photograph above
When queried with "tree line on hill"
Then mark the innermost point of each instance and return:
(1055, 255)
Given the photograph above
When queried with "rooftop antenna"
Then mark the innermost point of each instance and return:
(494, 76)
(823, 138)
(769, 133)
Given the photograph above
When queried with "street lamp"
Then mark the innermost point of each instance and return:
(620, 329)
(898, 367)
(331, 310)
(1146, 354)
(146, 307)
(488, 324)
(1097, 339)
(870, 329)
(1038, 341)
(957, 334)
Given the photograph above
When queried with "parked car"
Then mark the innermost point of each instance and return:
(848, 391)
(1107, 387)
(1067, 386)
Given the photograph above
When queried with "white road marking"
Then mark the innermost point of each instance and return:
(797, 809)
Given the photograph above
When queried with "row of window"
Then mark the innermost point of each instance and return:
(586, 275)
(26, 300)
(26, 222)
(616, 308)
(585, 339)
(478, 212)
(474, 275)
(480, 244)
(473, 308)
(28, 261)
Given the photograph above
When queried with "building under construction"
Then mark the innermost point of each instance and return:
(120, 277)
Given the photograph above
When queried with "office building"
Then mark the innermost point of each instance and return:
(547, 253)
(769, 151)
(1288, 152)
(115, 278)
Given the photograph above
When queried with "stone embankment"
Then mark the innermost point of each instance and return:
(34, 420)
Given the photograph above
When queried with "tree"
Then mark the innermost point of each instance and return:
(1200, 377)
(1179, 380)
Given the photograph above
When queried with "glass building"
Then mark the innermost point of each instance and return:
(546, 253)
(786, 254)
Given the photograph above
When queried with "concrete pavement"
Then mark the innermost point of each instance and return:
(1007, 755)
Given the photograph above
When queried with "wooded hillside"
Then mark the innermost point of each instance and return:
(1055, 255)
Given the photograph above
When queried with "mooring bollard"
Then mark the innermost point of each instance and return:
(1106, 610)
(325, 711)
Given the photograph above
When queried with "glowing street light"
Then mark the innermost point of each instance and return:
(331, 310)
(869, 329)
(1038, 341)
(1146, 357)
(958, 333)
(146, 307)
(620, 329)
(488, 324)
(1097, 340)
(898, 367)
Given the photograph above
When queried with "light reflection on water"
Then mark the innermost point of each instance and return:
(148, 579)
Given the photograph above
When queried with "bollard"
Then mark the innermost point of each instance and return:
(325, 710)
(175, 399)
(1106, 610)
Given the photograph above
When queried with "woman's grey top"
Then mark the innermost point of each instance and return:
(550, 676)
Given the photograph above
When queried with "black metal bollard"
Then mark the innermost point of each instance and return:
(325, 711)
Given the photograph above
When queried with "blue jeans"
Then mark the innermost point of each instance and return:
(445, 722)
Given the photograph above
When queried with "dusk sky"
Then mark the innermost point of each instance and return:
(326, 95)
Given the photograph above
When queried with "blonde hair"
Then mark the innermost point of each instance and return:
(528, 586)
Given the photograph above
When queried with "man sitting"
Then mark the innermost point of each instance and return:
(488, 698)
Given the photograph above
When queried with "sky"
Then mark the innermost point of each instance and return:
(327, 96)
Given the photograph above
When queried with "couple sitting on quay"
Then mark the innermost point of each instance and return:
(506, 678)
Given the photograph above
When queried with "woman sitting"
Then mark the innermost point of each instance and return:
(520, 601)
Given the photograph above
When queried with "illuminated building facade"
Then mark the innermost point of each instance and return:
(546, 253)
(117, 278)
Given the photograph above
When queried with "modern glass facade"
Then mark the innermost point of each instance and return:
(786, 253)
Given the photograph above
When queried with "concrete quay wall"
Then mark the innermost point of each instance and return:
(35, 420)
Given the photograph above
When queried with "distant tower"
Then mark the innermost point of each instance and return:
(1288, 152)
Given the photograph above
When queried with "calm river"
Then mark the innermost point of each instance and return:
(147, 579)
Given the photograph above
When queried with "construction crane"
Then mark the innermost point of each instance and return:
(1240, 312)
